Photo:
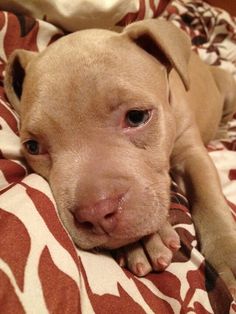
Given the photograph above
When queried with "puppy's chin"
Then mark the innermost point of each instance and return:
(117, 243)
(107, 243)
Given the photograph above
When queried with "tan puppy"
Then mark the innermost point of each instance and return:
(105, 117)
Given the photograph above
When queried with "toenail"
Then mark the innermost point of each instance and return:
(121, 261)
(140, 269)
(161, 261)
(174, 245)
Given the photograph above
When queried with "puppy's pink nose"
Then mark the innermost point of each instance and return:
(100, 217)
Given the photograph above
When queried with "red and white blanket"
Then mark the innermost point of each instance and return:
(41, 271)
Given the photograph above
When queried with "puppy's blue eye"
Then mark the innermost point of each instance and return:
(32, 147)
(135, 117)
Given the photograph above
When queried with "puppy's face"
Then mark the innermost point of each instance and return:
(97, 124)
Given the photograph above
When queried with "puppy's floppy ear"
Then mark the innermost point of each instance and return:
(164, 41)
(16, 69)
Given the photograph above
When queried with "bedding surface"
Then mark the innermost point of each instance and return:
(41, 271)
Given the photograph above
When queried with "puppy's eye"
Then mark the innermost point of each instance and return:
(135, 117)
(32, 147)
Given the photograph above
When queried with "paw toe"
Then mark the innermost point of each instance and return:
(136, 259)
(170, 237)
(159, 254)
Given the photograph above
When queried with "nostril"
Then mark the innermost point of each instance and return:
(110, 215)
(87, 225)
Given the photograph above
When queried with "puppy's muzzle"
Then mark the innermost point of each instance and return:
(100, 217)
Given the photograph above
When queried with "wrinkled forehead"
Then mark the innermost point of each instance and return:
(81, 72)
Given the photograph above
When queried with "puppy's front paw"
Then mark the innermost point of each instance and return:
(152, 253)
(221, 253)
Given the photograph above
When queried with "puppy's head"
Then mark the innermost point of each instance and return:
(96, 122)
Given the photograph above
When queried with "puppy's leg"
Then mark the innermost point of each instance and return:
(227, 87)
(195, 172)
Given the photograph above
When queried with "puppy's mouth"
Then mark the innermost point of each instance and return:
(96, 238)
(88, 237)
(101, 238)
